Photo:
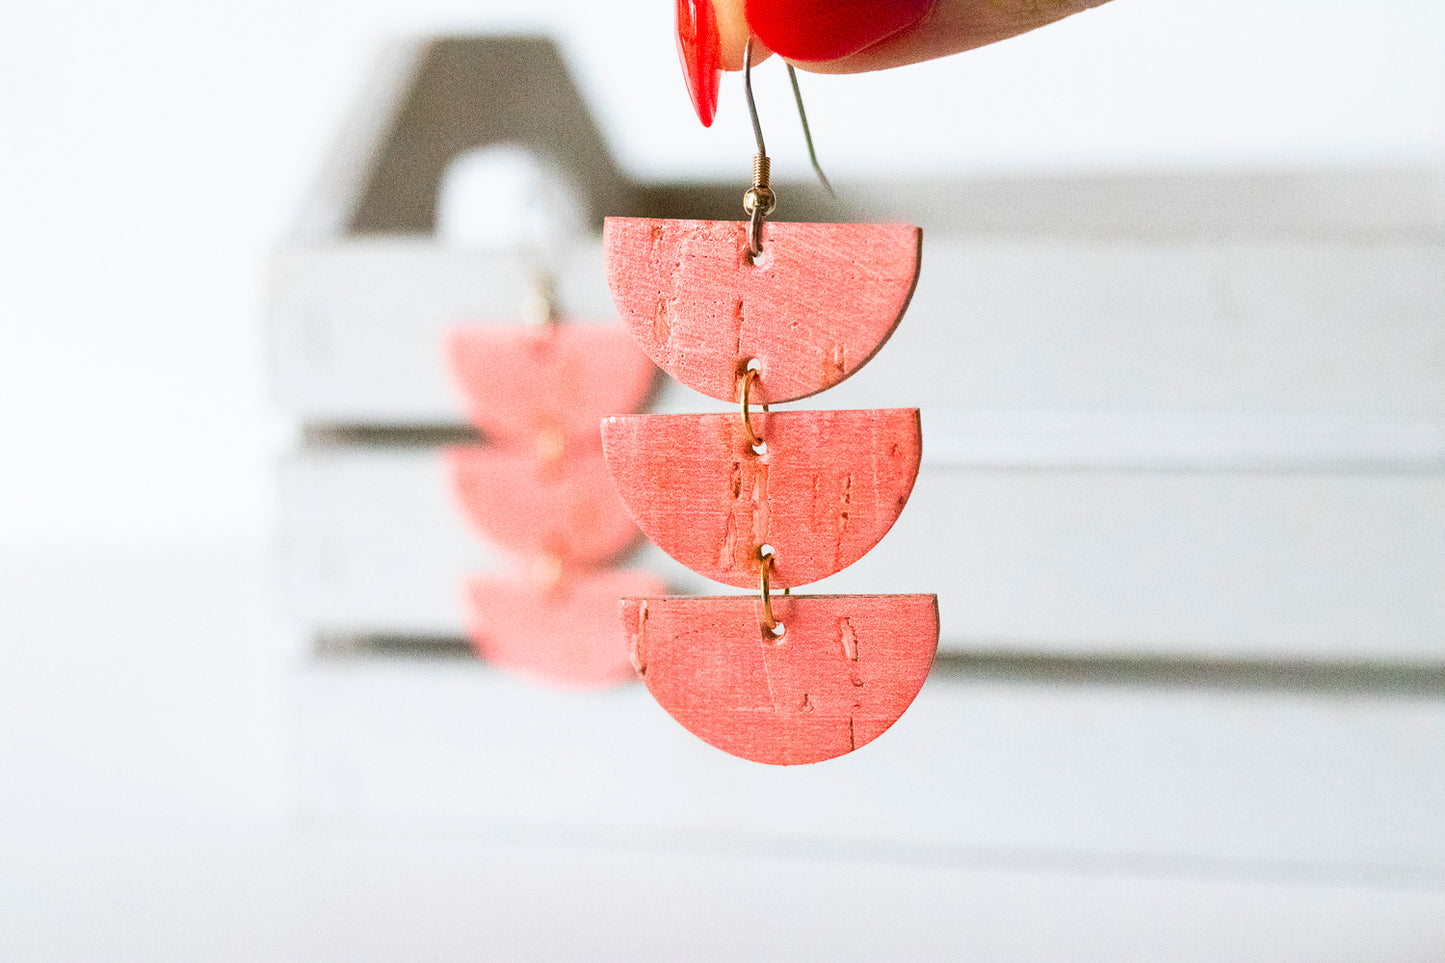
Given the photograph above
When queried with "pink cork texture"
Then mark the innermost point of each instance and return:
(565, 634)
(566, 508)
(844, 670)
(522, 387)
(828, 487)
(821, 300)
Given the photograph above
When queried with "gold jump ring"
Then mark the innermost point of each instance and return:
(769, 623)
(745, 383)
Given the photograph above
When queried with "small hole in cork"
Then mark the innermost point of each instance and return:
(761, 448)
(778, 630)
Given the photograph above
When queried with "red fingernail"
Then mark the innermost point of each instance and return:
(699, 49)
(829, 29)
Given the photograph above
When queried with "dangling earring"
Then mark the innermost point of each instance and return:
(539, 490)
(757, 313)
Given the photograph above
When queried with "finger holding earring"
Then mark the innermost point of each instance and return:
(712, 36)
(844, 36)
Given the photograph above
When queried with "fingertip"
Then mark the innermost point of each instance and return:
(944, 28)
(733, 34)
(819, 31)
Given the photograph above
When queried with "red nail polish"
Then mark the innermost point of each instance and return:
(700, 51)
(828, 29)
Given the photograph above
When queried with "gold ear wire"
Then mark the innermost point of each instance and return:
(759, 200)
(808, 134)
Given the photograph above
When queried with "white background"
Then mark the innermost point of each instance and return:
(151, 156)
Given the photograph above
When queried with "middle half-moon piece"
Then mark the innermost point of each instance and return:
(829, 486)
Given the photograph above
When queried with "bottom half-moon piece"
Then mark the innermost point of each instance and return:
(565, 635)
(844, 670)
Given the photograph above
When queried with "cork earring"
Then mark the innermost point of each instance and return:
(759, 314)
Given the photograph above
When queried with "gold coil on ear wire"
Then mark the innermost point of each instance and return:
(761, 168)
(758, 200)
(760, 195)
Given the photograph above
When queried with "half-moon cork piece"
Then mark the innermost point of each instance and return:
(813, 309)
(547, 386)
(565, 635)
(844, 670)
(566, 509)
(828, 487)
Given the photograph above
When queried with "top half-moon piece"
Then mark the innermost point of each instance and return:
(819, 302)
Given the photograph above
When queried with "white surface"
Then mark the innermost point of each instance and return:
(143, 801)
(154, 155)
(1310, 322)
(1252, 782)
(358, 333)
(1038, 556)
